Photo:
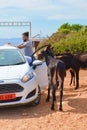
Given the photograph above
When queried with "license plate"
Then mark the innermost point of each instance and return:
(7, 96)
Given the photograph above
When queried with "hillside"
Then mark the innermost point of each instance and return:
(68, 40)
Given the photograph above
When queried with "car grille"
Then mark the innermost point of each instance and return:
(10, 88)
(11, 100)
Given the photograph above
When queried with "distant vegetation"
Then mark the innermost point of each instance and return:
(69, 38)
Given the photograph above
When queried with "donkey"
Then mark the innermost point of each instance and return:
(67, 59)
(76, 62)
(56, 74)
(79, 61)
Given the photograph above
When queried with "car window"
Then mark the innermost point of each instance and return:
(10, 57)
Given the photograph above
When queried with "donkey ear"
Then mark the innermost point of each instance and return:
(52, 47)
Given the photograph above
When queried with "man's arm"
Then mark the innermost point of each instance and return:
(21, 46)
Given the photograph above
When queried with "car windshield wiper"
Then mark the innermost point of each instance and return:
(19, 63)
(5, 65)
(2, 65)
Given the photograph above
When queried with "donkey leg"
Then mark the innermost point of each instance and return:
(71, 77)
(48, 96)
(53, 97)
(55, 94)
(56, 87)
(61, 94)
(49, 85)
(77, 79)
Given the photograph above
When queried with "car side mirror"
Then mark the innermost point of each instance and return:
(36, 63)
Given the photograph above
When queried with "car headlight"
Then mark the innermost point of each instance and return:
(27, 77)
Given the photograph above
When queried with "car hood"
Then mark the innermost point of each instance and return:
(14, 72)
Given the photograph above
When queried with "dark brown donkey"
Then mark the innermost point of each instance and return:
(67, 59)
(76, 62)
(56, 74)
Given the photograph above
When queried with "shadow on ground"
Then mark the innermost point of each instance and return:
(79, 105)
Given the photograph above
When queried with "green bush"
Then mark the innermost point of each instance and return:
(74, 44)
(68, 38)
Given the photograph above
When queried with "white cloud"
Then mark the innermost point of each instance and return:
(31, 5)
(67, 17)
(43, 13)
(35, 4)
(22, 3)
(48, 9)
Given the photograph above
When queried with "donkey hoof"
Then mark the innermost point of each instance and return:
(70, 84)
(47, 100)
(76, 88)
(52, 108)
(60, 109)
(55, 99)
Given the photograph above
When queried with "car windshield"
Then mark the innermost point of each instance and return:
(9, 57)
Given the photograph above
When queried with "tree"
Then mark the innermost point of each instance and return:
(65, 28)
(65, 31)
(76, 27)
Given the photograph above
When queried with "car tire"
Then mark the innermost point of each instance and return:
(37, 100)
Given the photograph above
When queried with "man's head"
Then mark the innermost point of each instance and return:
(9, 44)
(25, 36)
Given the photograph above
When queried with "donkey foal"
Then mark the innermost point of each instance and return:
(56, 74)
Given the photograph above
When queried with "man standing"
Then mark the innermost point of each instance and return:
(27, 44)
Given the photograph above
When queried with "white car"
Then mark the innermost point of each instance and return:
(19, 83)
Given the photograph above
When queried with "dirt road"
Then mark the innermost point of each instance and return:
(73, 117)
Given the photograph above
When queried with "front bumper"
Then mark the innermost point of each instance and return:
(27, 95)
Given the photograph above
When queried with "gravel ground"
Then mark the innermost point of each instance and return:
(73, 117)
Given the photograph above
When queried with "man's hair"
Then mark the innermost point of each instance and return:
(26, 34)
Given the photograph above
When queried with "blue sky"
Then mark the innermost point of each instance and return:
(46, 15)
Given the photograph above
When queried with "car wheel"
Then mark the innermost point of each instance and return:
(37, 100)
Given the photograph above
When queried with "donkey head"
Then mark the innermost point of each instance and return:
(47, 54)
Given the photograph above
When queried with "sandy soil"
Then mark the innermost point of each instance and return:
(73, 117)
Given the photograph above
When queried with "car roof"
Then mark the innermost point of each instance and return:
(7, 47)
